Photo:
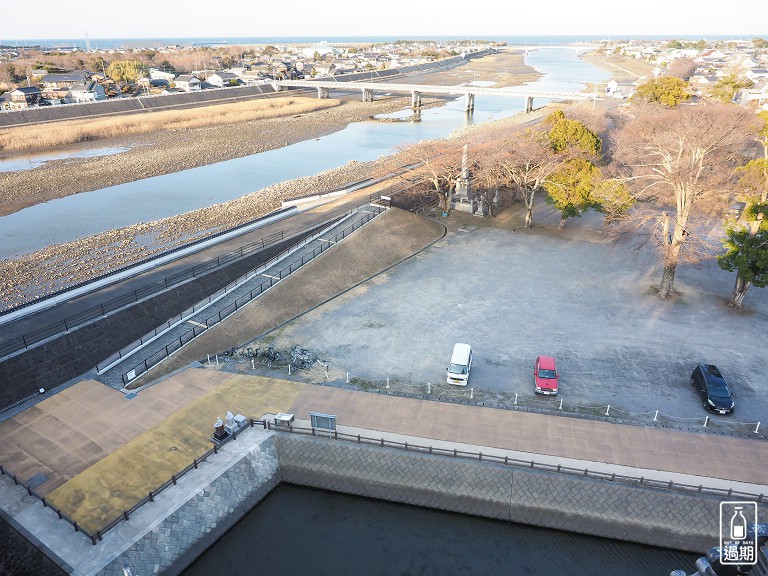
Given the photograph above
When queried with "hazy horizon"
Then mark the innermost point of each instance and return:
(143, 19)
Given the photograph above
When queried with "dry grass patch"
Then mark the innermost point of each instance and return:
(73, 131)
(99, 494)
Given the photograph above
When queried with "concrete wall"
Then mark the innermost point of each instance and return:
(565, 502)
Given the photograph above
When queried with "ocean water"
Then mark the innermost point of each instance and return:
(112, 43)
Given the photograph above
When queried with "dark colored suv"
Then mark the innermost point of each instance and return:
(711, 384)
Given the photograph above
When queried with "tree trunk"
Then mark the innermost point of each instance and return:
(667, 280)
(528, 216)
(739, 292)
(666, 287)
(562, 222)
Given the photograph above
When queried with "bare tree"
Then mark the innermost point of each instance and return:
(682, 68)
(433, 162)
(528, 162)
(679, 164)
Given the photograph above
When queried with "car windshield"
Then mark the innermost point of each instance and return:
(457, 369)
(547, 373)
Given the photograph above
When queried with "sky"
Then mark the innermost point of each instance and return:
(389, 18)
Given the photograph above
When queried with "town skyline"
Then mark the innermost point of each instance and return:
(399, 18)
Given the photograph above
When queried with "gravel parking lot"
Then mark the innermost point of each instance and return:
(573, 294)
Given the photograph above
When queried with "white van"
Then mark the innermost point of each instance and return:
(461, 362)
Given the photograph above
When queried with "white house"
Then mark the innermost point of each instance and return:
(86, 92)
(222, 79)
(157, 74)
(187, 82)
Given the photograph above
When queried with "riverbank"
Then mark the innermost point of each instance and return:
(33, 275)
(166, 152)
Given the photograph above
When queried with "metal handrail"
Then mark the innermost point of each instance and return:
(126, 350)
(47, 504)
(172, 481)
(35, 337)
(530, 464)
(214, 319)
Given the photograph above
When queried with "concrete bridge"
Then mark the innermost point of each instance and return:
(367, 89)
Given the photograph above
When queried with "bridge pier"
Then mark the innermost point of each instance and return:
(470, 102)
(322, 92)
(529, 104)
(415, 100)
(367, 95)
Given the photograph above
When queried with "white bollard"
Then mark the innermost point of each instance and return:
(561, 404)
(471, 393)
(217, 359)
(253, 364)
(706, 421)
(515, 398)
(429, 387)
(656, 416)
(289, 368)
(757, 427)
(387, 382)
(347, 377)
(209, 358)
(608, 411)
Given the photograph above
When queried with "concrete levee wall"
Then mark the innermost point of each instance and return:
(175, 542)
(657, 517)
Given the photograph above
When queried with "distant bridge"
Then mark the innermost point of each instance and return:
(416, 90)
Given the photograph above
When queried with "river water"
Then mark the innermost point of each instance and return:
(66, 219)
(298, 530)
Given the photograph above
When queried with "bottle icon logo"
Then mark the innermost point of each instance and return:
(738, 533)
(738, 524)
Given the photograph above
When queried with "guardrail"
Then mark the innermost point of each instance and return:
(26, 341)
(214, 319)
(529, 464)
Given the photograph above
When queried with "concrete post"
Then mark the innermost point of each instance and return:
(415, 100)
(367, 95)
(322, 93)
(529, 104)
(470, 102)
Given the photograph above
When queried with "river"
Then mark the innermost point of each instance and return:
(299, 530)
(66, 219)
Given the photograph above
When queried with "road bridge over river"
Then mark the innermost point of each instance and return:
(416, 90)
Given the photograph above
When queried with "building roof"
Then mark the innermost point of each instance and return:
(28, 90)
(76, 76)
(187, 78)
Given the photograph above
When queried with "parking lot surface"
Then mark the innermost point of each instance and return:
(573, 294)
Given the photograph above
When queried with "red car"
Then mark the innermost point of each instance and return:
(545, 375)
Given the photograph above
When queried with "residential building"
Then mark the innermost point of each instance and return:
(187, 82)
